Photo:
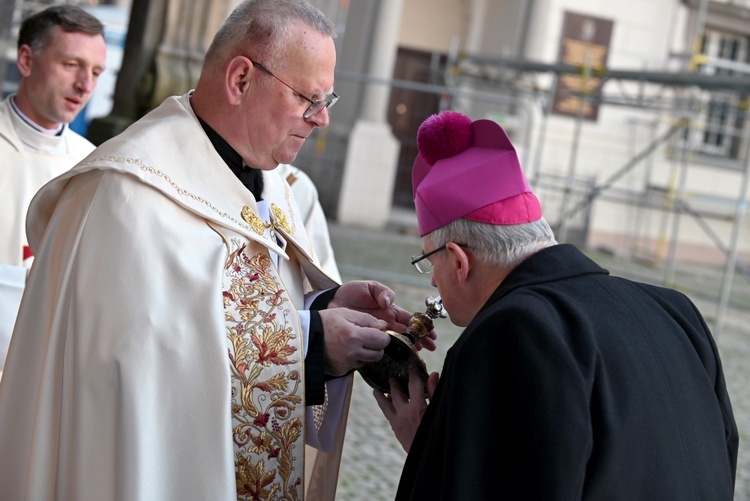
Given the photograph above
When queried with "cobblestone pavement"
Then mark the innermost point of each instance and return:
(373, 458)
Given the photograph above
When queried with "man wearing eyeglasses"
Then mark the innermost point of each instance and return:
(177, 339)
(567, 383)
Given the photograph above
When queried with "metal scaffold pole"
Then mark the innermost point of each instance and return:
(562, 232)
(739, 218)
(678, 203)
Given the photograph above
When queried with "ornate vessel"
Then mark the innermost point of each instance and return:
(401, 353)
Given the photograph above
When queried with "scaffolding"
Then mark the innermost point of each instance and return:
(680, 100)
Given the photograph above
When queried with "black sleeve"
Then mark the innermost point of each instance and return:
(315, 361)
(321, 302)
(315, 376)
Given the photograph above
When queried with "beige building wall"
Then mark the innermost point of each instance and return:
(432, 25)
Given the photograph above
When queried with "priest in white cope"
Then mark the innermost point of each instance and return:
(178, 339)
(61, 53)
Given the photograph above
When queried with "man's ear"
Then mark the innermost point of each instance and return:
(25, 60)
(460, 260)
(239, 78)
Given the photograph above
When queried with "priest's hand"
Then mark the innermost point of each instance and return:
(373, 298)
(405, 414)
(352, 339)
(376, 299)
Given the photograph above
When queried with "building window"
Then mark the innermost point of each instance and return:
(719, 127)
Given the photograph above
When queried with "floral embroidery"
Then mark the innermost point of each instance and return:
(267, 410)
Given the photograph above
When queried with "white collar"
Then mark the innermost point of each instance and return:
(49, 132)
(33, 138)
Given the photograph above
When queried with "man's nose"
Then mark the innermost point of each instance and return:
(86, 81)
(321, 118)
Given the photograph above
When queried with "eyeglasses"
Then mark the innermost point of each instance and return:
(315, 106)
(424, 265)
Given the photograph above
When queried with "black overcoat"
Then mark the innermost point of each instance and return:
(573, 384)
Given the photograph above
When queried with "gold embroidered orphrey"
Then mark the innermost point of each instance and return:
(266, 371)
(279, 220)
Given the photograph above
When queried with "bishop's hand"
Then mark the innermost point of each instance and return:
(403, 413)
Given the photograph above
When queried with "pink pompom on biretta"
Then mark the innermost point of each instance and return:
(444, 135)
(468, 169)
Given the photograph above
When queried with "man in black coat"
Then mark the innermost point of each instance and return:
(567, 383)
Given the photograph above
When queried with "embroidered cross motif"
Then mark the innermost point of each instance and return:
(279, 222)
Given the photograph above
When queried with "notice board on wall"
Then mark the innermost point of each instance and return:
(584, 43)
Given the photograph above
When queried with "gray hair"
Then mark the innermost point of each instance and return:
(261, 29)
(497, 245)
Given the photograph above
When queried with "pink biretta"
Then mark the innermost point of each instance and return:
(469, 170)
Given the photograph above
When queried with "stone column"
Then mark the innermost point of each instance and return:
(7, 9)
(372, 153)
(164, 51)
(190, 27)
